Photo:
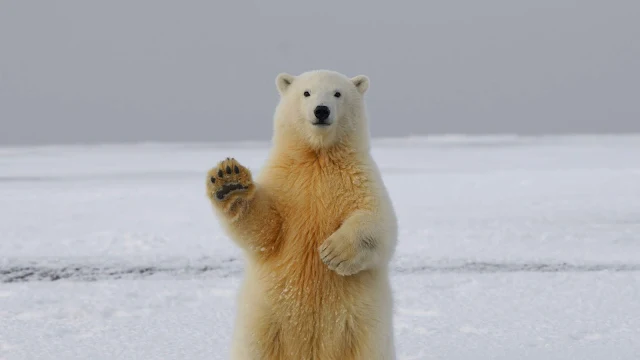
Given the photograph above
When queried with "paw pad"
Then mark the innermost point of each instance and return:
(228, 177)
(227, 188)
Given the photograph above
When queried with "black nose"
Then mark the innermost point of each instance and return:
(321, 112)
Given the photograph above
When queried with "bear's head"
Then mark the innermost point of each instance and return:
(322, 108)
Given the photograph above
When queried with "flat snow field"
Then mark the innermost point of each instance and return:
(510, 248)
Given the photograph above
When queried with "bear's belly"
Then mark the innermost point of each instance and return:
(311, 312)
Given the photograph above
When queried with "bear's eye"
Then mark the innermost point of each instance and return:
(337, 94)
(306, 94)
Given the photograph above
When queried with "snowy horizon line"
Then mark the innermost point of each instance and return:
(449, 138)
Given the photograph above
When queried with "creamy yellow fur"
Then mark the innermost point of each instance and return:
(318, 231)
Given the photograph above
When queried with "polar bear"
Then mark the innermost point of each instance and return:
(317, 228)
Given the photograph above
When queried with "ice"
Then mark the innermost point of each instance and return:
(510, 247)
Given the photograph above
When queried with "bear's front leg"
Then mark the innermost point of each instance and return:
(360, 243)
(243, 207)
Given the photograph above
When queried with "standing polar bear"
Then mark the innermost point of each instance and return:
(317, 228)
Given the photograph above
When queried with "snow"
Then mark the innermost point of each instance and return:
(510, 247)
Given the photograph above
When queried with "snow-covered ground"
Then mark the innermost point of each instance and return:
(510, 248)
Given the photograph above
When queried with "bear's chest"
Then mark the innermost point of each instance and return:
(315, 202)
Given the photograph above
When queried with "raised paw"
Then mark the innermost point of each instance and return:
(229, 180)
(342, 254)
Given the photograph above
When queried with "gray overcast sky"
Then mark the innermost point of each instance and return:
(109, 71)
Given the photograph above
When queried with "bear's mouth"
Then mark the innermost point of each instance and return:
(321, 123)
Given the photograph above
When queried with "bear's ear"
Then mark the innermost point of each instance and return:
(283, 81)
(361, 82)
